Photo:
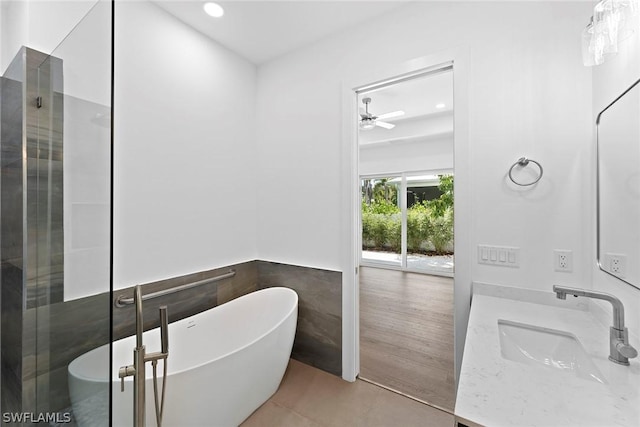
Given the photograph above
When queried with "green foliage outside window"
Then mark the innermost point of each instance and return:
(444, 203)
(429, 223)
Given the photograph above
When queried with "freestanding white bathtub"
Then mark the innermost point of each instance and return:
(223, 364)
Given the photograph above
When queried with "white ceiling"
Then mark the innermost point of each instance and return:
(263, 30)
(416, 97)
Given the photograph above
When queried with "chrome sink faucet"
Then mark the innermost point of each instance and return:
(620, 351)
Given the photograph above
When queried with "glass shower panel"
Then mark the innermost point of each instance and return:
(72, 175)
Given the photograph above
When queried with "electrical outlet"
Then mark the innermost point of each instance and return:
(616, 264)
(563, 260)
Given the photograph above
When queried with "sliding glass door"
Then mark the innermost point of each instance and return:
(382, 207)
(407, 221)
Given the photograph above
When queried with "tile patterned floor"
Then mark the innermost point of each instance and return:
(309, 397)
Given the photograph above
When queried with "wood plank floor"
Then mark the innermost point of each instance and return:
(406, 334)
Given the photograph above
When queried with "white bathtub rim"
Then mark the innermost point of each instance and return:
(235, 350)
(249, 344)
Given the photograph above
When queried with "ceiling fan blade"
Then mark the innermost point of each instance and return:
(385, 125)
(391, 115)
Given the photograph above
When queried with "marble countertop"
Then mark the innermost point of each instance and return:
(494, 391)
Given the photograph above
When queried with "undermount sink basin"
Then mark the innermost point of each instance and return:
(546, 347)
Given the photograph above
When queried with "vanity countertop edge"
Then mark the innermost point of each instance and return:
(494, 391)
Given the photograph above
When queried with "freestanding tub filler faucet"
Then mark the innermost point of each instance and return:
(140, 358)
(620, 351)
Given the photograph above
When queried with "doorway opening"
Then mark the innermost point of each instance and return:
(406, 268)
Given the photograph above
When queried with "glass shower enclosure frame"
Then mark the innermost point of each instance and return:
(56, 224)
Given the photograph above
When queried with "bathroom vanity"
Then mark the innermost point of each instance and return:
(533, 360)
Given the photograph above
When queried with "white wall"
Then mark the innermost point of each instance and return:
(86, 59)
(421, 144)
(411, 156)
(13, 30)
(2, 34)
(609, 81)
(184, 141)
(528, 95)
(185, 179)
(40, 25)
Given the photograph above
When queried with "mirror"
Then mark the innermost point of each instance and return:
(618, 187)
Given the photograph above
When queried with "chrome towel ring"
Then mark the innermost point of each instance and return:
(522, 162)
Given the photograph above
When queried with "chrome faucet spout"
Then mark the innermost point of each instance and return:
(620, 351)
(560, 294)
(618, 308)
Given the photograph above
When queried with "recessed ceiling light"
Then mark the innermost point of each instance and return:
(440, 105)
(213, 9)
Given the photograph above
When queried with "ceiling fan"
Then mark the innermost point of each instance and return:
(369, 121)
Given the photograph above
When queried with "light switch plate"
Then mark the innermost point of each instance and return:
(502, 256)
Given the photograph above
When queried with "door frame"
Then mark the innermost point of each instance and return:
(350, 198)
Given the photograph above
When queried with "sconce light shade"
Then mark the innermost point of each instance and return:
(628, 19)
(592, 46)
(612, 21)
